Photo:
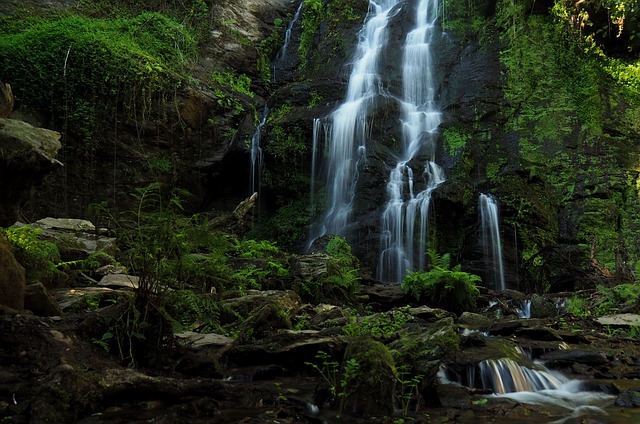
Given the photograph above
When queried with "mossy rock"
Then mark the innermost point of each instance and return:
(420, 350)
(370, 388)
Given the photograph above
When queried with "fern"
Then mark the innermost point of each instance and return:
(451, 289)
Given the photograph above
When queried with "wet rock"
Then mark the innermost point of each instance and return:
(12, 278)
(542, 307)
(290, 349)
(38, 300)
(538, 333)
(389, 295)
(628, 400)
(474, 321)
(287, 300)
(619, 320)
(312, 266)
(202, 340)
(327, 315)
(27, 155)
(563, 358)
(430, 314)
(371, 385)
(76, 238)
(119, 281)
(453, 396)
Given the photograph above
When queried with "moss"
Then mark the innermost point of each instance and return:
(93, 65)
(371, 386)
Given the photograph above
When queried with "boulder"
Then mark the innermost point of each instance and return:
(620, 320)
(12, 278)
(27, 155)
(370, 383)
(119, 281)
(38, 300)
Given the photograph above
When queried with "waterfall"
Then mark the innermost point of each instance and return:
(491, 239)
(400, 251)
(506, 376)
(347, 127)
(508, 379)
(256, 153)
(282, 53)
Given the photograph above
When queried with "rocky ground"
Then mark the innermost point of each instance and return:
(53, 370)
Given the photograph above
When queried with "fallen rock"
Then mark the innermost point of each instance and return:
(202, 340)
(620, 320)
(120, 281)
(27, 155)
(38, 300)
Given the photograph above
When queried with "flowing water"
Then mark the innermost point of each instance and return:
(407, 209)
(257, 155)
(347, 126)
(535, 385)
(282, 53)
(491, 244)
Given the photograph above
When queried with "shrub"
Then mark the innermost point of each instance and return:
(450, 289)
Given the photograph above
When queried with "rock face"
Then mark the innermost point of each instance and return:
(12, 279)
(27, 154)
(6, 100)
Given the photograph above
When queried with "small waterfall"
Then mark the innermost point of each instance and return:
(347, 127)
(491, 239)
(525, 310)
(282, 53)
(400, 251)
(256, 154)
(508, 379)
(506, 376)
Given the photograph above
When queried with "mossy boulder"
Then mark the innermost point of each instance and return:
(370, 384)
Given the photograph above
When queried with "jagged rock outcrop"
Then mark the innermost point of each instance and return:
(27, 155)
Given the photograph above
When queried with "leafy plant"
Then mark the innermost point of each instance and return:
(381, 325)
(408, 389)
(450, 289)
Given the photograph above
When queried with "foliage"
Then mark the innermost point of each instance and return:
(329, 370)
(267, 50)
(192, 311)
(341, 282)
(38, 256)
(450, 289)
(237, 82)
(578, 306)
(312, 16)
(623, 297)
(79, 69)
(383, 325)
(409, 392)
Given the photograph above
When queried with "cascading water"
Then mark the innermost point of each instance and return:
(256, 153)
(282, 53)
(491, 239)
(347, 127)
(534, 385)
(400, 251)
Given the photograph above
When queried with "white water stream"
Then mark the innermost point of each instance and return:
(282, 53)
(257, 154)
(407, 210)
(347, 127)
(491, 244)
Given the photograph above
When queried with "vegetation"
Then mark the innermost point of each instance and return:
(450, 289)
(81, 68)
